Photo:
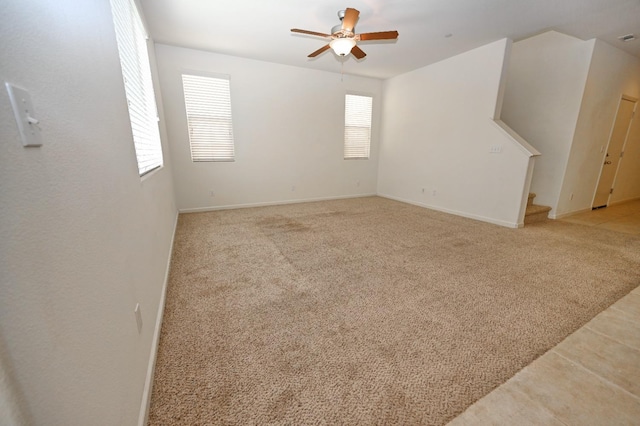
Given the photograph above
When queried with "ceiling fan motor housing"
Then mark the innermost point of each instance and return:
(337, 28)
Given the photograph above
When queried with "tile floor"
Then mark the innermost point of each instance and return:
(621, 218)
(590, 378)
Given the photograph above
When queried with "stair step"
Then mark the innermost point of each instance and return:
(530, 199)
(536, 213)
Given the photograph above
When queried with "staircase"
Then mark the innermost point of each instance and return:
(534, 212)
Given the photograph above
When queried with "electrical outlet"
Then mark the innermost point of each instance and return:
(212, 194)
(571, 196)
(138, 315)
(293, 188)
(358, 183)
(434, 192)
(423, 190)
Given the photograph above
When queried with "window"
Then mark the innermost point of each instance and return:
(357, 126)
(136, 72)
(208, 104)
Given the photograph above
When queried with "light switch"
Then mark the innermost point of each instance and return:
(25, 116)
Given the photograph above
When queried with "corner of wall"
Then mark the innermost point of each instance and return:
(502, 85)
(562, 207)
(423, 110)
(547, 85)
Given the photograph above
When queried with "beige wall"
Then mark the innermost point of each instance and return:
(82, 237)
(288, 128)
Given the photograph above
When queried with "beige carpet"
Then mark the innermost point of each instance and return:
(368, 311)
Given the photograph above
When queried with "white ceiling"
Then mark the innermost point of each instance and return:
(260, 29)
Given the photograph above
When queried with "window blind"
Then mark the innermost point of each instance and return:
(208, 104)
(357, 126)
(136, 72)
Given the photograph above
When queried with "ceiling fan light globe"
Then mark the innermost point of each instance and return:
(342, 46)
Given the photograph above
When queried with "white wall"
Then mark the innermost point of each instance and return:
(612, 73)
(437, 132)
(288, 127)
(82, 236)
(545, 82)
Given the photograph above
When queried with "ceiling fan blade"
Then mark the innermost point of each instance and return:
(350, 19)
(382, 35)
(296, 30)
(357, 52)
(319, 51)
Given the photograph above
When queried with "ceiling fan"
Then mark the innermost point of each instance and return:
(343, 36)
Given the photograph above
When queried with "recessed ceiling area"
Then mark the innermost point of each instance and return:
(430, 30)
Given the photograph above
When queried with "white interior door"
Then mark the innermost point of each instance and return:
(614, 150)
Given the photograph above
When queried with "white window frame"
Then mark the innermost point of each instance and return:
(207, 100)
(132, 42)
(358, 116)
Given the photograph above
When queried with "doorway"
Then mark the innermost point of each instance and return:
(615, 152)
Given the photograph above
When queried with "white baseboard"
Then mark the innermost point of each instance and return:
(143, 417)
(615, 203)
(457, 213)
(561, 215)
(271, 203)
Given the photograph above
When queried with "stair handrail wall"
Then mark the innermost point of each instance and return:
(530, 152)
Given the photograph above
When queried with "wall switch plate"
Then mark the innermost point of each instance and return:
(138, 314)
(25, 116)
